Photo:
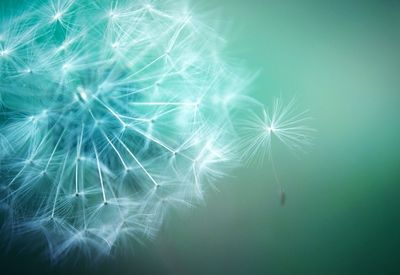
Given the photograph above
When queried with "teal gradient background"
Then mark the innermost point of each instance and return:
(341, 59)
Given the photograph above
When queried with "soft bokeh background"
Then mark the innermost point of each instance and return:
(341, 59)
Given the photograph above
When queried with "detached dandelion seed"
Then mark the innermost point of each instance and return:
(283, 123)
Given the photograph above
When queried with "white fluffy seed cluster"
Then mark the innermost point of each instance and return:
(110, 114)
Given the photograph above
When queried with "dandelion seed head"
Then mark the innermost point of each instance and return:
(125, 117)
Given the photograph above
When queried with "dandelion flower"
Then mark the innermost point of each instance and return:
(111, 114)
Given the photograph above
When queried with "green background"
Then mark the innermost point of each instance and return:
(341, 59)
